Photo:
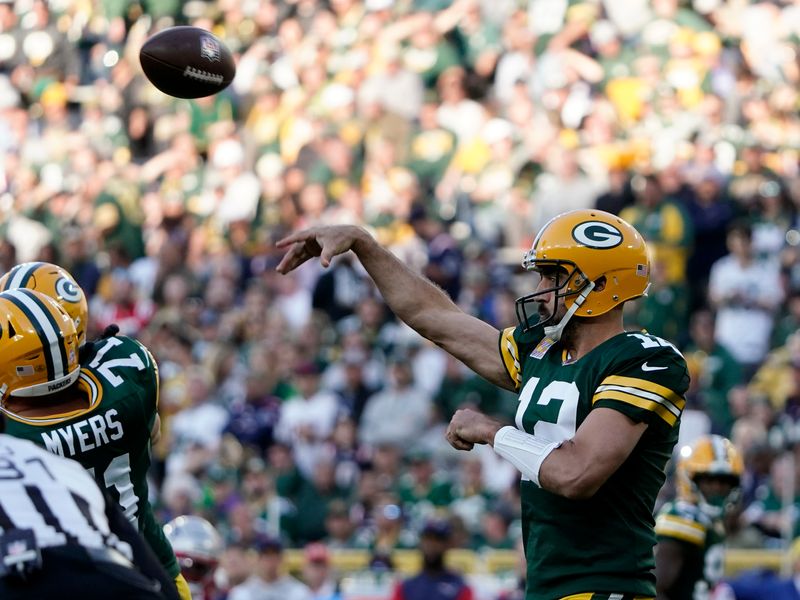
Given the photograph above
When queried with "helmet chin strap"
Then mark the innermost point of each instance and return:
(554, 332)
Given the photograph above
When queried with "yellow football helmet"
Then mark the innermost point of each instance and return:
(38, 346)
(710, 456)
(589, 244)
(57, 283)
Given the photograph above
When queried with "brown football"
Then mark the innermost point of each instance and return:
(187, 62)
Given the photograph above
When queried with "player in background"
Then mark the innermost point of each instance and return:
(599, 407)
(690, 530)
(119, 386)
(198, 547)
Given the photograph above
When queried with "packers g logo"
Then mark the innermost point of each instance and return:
(67, 290)
(597, 234)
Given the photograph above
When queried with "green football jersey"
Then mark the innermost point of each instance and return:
(702, 538)
(111, 438)
(604, 543)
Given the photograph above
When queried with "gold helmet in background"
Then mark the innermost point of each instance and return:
(55, 282)
(710, 456)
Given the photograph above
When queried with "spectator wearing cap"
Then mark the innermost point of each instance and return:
(268, 581)
(435, 582)
(317, 573)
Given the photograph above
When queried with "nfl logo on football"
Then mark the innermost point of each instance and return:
(209, 48)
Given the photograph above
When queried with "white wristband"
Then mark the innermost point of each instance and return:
(523, 450)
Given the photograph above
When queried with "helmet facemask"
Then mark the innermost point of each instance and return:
(571, 284)
(712, 503)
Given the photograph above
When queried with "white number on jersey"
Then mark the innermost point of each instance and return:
(104, 367)
(566, 393)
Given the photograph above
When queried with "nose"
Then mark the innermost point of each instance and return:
(544, 290)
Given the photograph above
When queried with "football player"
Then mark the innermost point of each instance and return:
(690, 530)
(106, 418)
(599, 406)
(199, 547)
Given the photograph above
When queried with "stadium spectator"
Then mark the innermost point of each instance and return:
(268, 580)
(435, 581)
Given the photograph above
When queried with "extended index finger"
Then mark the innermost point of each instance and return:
(299, 236)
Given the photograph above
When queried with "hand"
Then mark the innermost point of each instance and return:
(325, 242)
(469, 427)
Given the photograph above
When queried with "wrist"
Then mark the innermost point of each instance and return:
(492, 430)
(361, 240)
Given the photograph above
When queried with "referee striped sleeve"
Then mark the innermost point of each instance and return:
(510, 354)
(643, 394)
(683, 529)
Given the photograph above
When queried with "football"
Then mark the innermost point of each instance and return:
(187, 62)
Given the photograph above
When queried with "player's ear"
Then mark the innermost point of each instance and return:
(600, 284)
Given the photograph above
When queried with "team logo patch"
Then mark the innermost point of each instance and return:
(209, 48)
(67, 290)
(597, 234)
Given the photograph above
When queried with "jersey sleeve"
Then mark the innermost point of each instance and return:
(509, 352)
(646, 384)
(516, 347)
(681, 525)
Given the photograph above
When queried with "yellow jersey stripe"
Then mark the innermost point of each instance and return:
(647, 386)
(675, 527)
(650, 405)
(510, 355)
(586, 596)
(641, 394)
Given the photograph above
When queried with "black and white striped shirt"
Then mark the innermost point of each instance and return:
(52, 496)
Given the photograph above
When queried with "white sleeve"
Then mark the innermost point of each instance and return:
(523, 450)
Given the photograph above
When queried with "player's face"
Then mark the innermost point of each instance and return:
(549, 303)
(715, 489)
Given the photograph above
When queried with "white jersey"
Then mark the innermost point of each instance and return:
(52, 496)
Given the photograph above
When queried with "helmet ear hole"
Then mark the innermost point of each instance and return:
(600, 283)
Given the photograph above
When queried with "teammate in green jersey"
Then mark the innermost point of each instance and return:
(599, 407)
(106, 418)
(690, 530)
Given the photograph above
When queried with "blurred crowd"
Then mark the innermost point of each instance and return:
(296, 406)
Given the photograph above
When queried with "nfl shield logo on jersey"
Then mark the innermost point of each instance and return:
(209, 48)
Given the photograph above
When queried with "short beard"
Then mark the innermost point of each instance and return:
(570, 334)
